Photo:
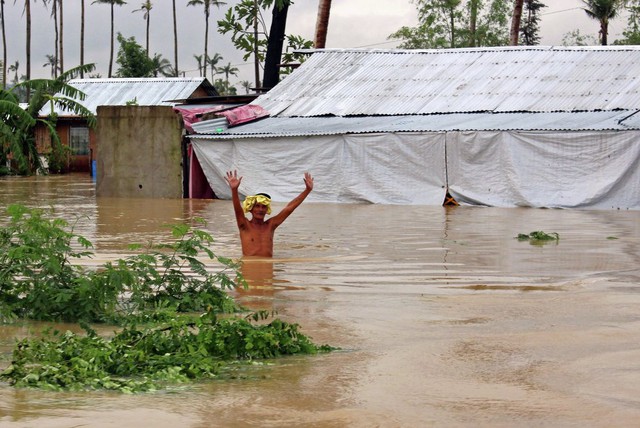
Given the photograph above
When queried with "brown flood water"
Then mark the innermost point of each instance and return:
(444, 319)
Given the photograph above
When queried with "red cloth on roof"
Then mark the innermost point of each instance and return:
(244, 114)
(193, 115)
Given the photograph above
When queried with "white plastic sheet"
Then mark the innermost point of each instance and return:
(545, 169)
(496, 168)
(377, 168)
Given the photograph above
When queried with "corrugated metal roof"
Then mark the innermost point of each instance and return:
(144, 91)
(355, 82)
(304, 126)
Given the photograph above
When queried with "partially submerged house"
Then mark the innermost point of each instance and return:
(505, 126)
(151, 92)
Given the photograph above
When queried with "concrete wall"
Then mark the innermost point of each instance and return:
(138, 152)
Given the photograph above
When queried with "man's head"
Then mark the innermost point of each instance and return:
(255, 201)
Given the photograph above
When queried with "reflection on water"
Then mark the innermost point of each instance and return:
(443, 316)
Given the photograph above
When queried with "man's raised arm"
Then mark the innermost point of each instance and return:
(291, 206)
(234, 182)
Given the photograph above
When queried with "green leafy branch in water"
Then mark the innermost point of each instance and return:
(166, 283)
(38, 280)
(538, 237)
(147, 359)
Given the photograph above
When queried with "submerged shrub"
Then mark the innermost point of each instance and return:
(38, 280)
(150, 358)
(164, 283)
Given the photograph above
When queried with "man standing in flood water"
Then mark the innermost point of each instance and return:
(256, 235)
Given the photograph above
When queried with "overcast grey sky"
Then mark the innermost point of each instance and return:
(353, 24)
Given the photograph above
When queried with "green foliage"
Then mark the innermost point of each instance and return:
(161, 66)
(603, 11)
(632, 31)
(239, 23)
(133, 59)
(538, 237)
(457, 24)
(172, 276)
(17, 128)
(38, 281)
(160, 284)
(530, 23)
(147, 359)
(224, 88)
(290, 56)
(576, 38)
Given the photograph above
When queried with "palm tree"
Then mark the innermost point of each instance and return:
(20, 91)
(14, 68)
(146, 8)
(227, 70)
(161, 65)
(207, 8)
(112, 3)
(213, 62)
(199, 59)
(602, 11)
(4, 47)
(322, 23)
(52, 62)
(246, 85)
(175, 38)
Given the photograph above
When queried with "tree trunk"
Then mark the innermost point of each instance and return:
(515, 22)
(27, 12)
(4, 48)
(81, 37)
(452, 22)
(322, 24)
(54, 11)
(206, 44)
(256, 60)
(473, 23)
(604, 30)
(148, 24)
(274, 46)
(175, 39)
(112, 41)
(61, 50)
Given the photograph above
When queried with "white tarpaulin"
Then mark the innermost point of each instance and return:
(545, 169)
(378, 168)
(554, 169)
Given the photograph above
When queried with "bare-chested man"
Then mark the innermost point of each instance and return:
(256, 235)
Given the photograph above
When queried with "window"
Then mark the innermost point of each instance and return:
(79, 141)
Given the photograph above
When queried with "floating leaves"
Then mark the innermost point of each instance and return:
(539, 237)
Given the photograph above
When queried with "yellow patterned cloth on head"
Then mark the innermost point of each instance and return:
(250, 201)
